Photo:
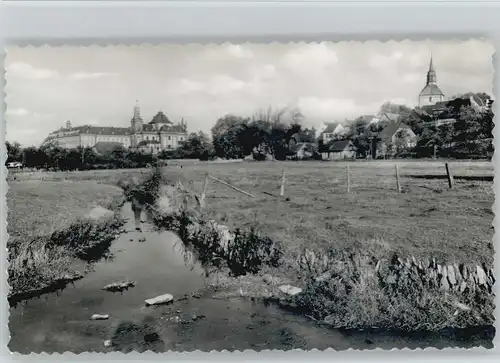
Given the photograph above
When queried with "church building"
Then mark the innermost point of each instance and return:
(157, 135)
(431, 94)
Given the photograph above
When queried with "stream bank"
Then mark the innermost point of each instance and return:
(199, 317)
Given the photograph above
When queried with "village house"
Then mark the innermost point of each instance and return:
(303, 151)
(339, 150)
(331, 131)
(396, 135)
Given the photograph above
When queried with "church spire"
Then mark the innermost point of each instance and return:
(431, 74)
(137, 110)
(136, 122)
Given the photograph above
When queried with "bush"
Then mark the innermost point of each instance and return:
(351, 292)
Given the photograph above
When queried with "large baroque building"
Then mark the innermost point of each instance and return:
(157, 135)
(430, 94)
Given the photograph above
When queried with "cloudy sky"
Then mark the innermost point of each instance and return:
(327, 81)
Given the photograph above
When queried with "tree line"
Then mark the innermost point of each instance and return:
(470, 136)
(272, 131)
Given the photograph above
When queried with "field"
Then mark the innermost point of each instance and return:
(39, 208)
(37, 211)
(426, 219)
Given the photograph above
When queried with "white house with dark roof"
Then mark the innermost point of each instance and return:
(330, 131)
(159, 134)
(430, 94)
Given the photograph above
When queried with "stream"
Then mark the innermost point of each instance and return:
(59, 322)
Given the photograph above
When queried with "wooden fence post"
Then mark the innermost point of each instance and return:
(398, 184)
(348, 179)
(205, 183)
(282, 191)
(449, 175)
(230, 186)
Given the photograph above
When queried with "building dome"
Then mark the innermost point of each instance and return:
(160, 118)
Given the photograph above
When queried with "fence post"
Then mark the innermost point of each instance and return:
(348, 179)
(283, 177)
(205, 183)
(398, 184)
(449, 175)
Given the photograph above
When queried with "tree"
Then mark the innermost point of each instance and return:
(197, 146)
(35, 157)
(473, 131)
(226, 136)
(287, 115)
(402, 142)
(390, 107)
(14, 151)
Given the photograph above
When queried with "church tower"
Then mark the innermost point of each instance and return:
(136, 122)
(430, 94)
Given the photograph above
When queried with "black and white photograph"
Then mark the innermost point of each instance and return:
(252, 196)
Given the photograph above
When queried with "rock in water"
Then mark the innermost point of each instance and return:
(99, 214)
(481, 276)
(119, 286)
(99, 317)
(107, 343)
(290, 290)
(162, 299)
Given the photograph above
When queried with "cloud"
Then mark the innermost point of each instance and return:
(226, 52)
(384, 61)
(328, 81)
(326, 107)
(24, 113)
(216, 86)
(90, 75)
(239, 51)
(27, 71)
(309, 57)
(17, 112)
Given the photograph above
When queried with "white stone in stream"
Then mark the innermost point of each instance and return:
(162, 299)
(108, 343)
(290, 290)
(100, 213)
(481, 276)
(99, 317)
(461, 306)
(451, 275)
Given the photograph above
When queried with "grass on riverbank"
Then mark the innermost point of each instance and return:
(356, 297)
(49, 225)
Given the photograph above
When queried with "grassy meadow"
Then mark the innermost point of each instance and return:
(426, 220)
(41, 215)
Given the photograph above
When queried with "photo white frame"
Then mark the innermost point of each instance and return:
(104, 23)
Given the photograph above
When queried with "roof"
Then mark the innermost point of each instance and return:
(294, 148)
(367, 118)
(330, 127)
(148, 127)
(391, 129)
(431, 89)
(98, 130)
(390, 116)
(438, 107)
(340, 145)
(160, 118)
(174, 128)
(147, 143)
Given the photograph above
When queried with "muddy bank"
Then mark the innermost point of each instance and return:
(47, 264)
(354, 288)
(204, 315)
